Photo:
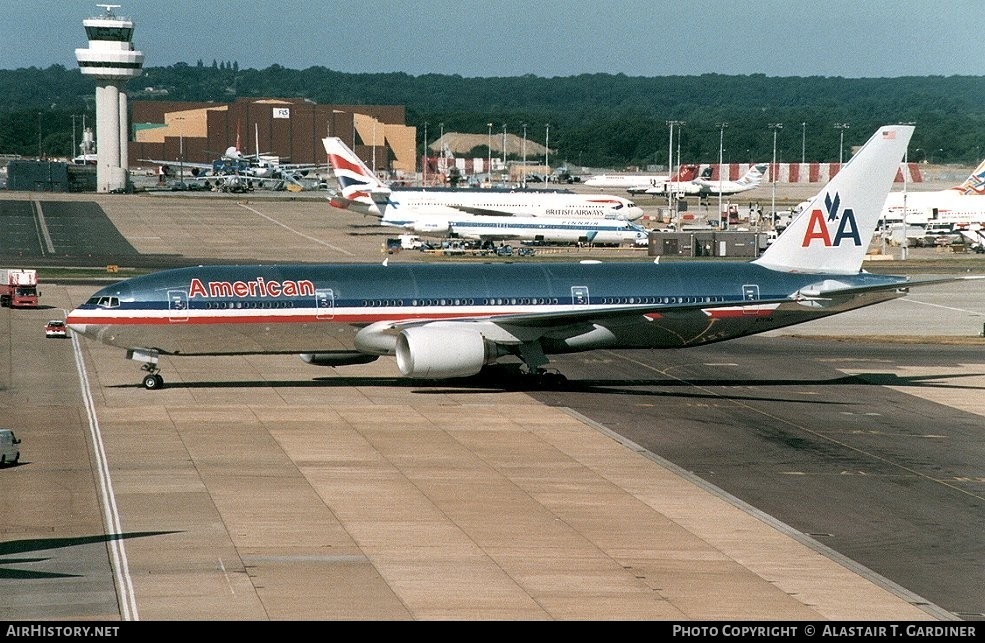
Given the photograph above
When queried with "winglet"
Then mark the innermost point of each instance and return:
(833, 232)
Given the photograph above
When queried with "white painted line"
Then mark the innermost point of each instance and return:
(111, 516)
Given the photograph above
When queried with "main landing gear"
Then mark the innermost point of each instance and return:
(550, 380)
(532, 355)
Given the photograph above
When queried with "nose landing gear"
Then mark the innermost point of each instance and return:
(153, 379)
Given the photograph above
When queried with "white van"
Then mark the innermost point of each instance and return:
(10, 450)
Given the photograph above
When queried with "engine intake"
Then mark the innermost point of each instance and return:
(436, 353)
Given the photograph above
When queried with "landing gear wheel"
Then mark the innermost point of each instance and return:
(549, 380)
(153, 381)
(554, 381)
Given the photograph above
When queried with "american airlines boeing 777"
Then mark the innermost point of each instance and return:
(451, 319)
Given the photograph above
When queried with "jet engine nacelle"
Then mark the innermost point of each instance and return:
(431, 352)
(339, 358)
(426, 226)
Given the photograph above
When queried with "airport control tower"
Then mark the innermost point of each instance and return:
(112, 61)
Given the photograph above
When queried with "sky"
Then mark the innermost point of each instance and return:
(546, 38)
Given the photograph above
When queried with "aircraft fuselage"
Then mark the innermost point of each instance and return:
(565, 307)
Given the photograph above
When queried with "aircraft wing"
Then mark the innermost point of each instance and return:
(524, 327)
(553, 320)
(481, 212)
(294, 167)
(819, 295)
(175, 163)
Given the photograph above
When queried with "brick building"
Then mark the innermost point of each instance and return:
(291, 129)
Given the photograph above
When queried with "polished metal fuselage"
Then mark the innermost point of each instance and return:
(214, 310)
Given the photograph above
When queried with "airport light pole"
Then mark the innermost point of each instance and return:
(39, 136)
(903, 240)
(676, 204)
(841, 143)
(775, 127)
(504, 144)
(489, 150)
(803, 143)
(523, 181)
(670, 163)
(547, 151)
(181, 149)
(424, 163)
(721, 151)
(670, 169)
(72, 155)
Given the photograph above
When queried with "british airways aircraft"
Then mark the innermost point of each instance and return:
(450, 320)
(711, 187)
(960, 204)
(363, 191)
(597, 231)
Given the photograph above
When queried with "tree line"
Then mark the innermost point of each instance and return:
(596, 120)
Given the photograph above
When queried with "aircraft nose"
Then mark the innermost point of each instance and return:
(74, 324)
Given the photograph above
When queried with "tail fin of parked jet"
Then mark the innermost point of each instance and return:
(975, 183)
(684, 173)
(357, 182)
(833, 232)
(754, 176)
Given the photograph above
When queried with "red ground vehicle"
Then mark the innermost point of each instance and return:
(18, 288)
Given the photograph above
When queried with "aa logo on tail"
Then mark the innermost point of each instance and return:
(819, 226)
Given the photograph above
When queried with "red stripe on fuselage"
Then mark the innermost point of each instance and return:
(727, 313)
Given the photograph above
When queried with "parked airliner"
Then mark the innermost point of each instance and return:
(587, 230)
(363, 191)
(640, 183)
(445, 320)
(706, 186)
(960, 204)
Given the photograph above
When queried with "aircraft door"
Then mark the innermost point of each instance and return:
(750, 292)
(579, 295)
(177, 305)
(325, 303)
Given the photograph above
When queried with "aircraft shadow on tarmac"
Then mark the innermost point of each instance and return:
(493, 380)
(47, 544)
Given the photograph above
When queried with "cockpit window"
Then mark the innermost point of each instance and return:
(104, 302)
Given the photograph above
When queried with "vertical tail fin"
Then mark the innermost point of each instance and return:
(356, 181)
(754, 176)
(975, 183)
(684, 173)
(833, 232)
